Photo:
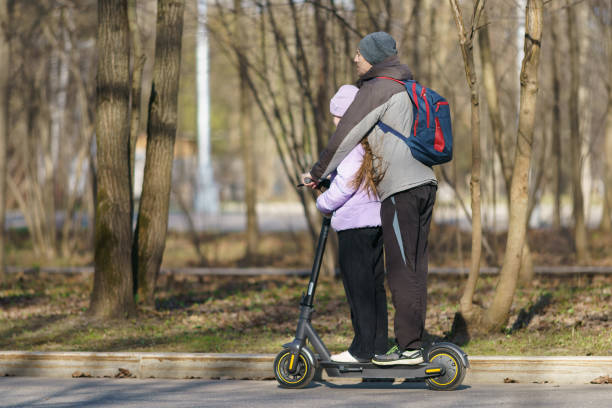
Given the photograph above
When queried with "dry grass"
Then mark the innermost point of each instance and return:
(570, 316)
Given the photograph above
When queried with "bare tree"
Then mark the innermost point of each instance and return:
(490, 85)
(606, 29)
(112, 296)
(496, 315)
(580, 234)
(288, 101)
(4, 110)
(556, 123)
(466, 43)
(152, 224)
(246, 134)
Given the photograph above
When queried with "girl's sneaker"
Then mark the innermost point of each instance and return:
(344, 357)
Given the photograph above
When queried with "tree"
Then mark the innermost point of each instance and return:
(556, 88)
(152, 223)
(137, 63)
(606, 28)
(466, 43)
(580, 234)
(288, 102)
(112, 296)
(246, 134)
(4, 110)
(496, 315)
(490, 81)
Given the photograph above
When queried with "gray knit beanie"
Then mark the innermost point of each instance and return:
(377, 47)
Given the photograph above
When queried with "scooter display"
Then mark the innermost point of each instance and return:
(295, 365)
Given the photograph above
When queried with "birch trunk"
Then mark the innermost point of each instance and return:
(152, 223)
(497, 315)
(112, 296)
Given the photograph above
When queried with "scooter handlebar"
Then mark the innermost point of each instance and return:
(325, 183)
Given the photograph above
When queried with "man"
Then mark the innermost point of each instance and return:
(407, 187)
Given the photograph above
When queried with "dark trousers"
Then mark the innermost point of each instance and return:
(406, 217)
(363, 276)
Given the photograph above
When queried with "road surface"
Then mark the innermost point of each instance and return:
(131, 393)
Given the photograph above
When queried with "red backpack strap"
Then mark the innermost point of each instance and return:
(393, 79)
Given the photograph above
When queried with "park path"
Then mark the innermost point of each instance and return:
(131, 393)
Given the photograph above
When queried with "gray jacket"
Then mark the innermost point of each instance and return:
(388, 101)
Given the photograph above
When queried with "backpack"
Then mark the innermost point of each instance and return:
(431, 138)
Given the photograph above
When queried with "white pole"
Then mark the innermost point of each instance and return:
(207, 194)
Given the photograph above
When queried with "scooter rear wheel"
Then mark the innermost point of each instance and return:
(291, 372)
(453, 367)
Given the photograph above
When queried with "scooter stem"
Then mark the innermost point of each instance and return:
(316, 267)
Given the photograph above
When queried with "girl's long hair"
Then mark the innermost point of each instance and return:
(367, 171)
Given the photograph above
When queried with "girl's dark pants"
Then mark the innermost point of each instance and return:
(406, 217)
(362, 270)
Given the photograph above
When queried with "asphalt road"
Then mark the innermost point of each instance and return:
(88, 392)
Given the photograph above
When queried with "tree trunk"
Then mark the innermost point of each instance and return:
(470, 72)
(246, 136)
(556, 124)
(111, 296)
(489, 81)
(412, 46)
(497, 315)
(138, 59)
(322, 120)
(4, 124)
(605, 221)
(580, 234)
(152, 224)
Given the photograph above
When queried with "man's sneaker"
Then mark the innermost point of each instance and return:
(394, 357)
(345, 357)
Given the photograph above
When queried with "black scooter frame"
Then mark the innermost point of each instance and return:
(322, 357)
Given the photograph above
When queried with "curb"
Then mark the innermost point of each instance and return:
(483, 370)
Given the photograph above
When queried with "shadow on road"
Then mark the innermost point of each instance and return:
(382, 385)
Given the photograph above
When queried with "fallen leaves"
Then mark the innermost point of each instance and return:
(604, 379)
(124, 373)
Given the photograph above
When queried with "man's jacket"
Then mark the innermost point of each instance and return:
(387, 101)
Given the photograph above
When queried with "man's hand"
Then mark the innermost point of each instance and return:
(308, 181)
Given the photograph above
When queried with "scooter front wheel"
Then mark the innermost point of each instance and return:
(292, 372)
(454, 370)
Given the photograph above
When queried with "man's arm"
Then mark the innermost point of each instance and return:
(357, 122)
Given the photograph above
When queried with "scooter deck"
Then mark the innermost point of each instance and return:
(370, 370)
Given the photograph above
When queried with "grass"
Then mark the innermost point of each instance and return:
(560, 316)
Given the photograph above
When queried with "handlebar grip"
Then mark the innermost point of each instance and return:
(325, 183)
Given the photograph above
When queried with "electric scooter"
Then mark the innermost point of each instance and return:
(295, 365)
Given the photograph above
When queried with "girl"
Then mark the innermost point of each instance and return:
(355, 206)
